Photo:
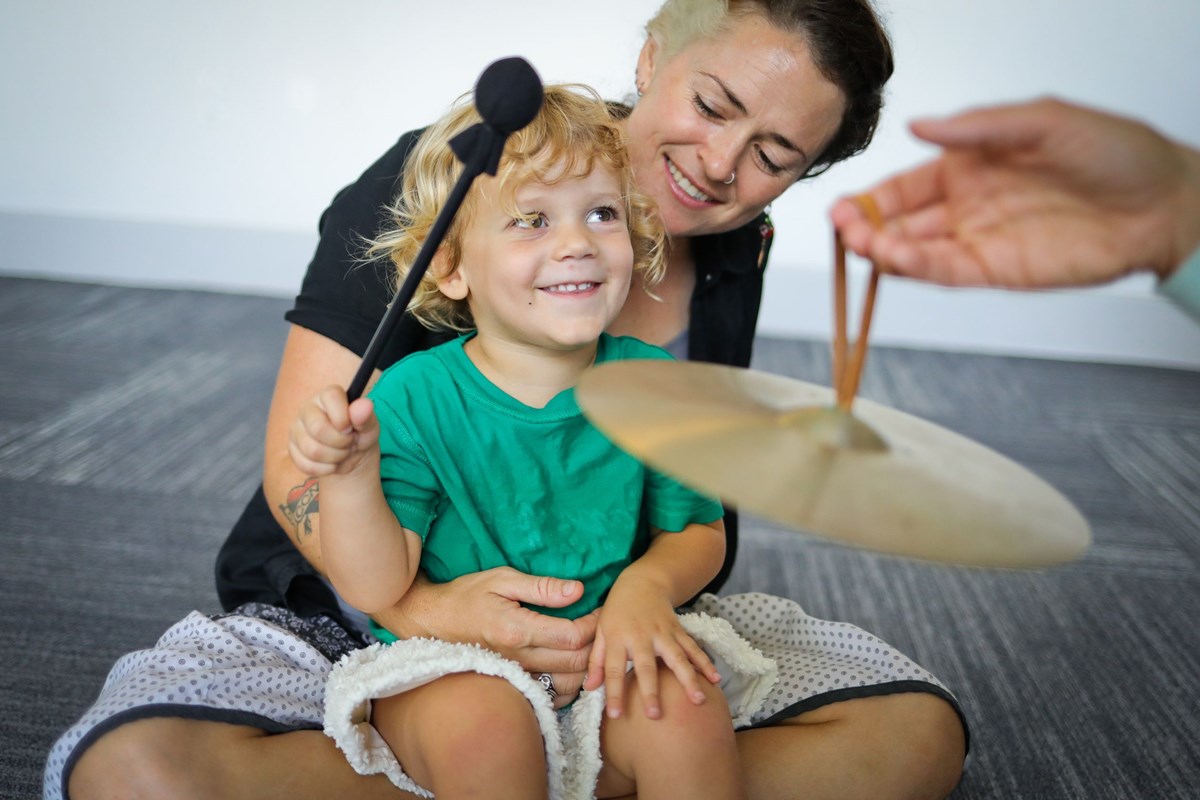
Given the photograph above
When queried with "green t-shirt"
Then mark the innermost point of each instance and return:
(487, 481)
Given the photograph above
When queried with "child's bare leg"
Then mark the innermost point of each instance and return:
(466, 735)
(689, 752)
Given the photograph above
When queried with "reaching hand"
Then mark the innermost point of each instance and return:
(1039, 194)
(333, 436)
(638, 625)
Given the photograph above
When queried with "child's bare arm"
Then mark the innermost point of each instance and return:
(638, 622)
(368, 556)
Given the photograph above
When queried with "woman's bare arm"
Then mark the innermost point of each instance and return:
(310, 362)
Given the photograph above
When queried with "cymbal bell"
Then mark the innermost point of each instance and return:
(866, 476)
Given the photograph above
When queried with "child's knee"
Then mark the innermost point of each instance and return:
(686, 734)
(710, 719)
(482, 715)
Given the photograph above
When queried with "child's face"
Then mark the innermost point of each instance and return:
(556, 282)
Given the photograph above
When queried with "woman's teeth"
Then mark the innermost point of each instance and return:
(683, 183)
(570, 288)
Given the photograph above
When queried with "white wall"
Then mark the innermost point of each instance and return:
(188, 144)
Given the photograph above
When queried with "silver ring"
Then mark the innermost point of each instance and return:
(547, 683)
(732, 175)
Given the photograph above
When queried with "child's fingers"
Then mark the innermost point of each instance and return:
(322, 437)
(614, 689)
(595, 665)
(307, 465)
(314, 438)
(681, 661)
(645, 669)
(318, 424)
(699, 659)
(613, 663)
(332, 400)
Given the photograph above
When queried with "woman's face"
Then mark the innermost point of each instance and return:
(750, 102)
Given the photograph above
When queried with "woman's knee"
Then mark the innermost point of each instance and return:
(934, 742)
(917, 739)
(161, 757)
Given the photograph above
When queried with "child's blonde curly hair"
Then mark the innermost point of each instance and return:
(572, 134)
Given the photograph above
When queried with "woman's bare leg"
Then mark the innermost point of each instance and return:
(894, 747)
(184, 759)
(689, 752)
(466, 735)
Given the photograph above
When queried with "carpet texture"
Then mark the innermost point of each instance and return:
(130, 436)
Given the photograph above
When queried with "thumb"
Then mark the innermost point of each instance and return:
(362, 415)
(539, 590)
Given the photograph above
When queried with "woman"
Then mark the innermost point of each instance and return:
(736, 102)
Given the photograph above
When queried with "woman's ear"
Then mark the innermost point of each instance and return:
(645, 65)
(451, 281)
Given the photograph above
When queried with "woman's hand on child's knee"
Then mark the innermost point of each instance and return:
(332, 435)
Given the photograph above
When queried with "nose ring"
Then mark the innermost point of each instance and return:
(732, 175)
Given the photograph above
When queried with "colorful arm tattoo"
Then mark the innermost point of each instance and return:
(301, 505)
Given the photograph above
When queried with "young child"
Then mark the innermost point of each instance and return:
(474, 455)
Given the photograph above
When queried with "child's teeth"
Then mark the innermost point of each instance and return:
(564, 288)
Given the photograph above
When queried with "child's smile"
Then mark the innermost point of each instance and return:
(572, 288)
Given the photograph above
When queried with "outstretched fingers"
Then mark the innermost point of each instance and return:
(906, 203)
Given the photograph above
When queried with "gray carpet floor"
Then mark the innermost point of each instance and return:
(130, 433)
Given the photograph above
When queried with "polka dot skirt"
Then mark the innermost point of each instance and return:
(235, 668)
(819, 661)
(266, 667)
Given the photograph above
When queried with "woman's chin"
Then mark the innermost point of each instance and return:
(681, 221)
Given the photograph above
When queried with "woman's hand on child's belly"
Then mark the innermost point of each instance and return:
(486, 608)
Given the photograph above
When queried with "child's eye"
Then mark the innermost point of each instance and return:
(604, 214)
(531, 221)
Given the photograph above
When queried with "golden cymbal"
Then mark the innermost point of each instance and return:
(865, 475)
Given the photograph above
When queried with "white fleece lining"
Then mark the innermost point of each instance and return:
(572, 737)
(747, 676)
(385, 670)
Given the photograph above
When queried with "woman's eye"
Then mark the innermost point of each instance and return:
(603, 214)
(531, 221)
(704, 108)
(767, 164)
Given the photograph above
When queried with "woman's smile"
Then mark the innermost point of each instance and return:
(683, 186)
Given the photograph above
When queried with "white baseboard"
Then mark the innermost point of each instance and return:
(1088, 325)
(155, 254)
(1101, 324)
